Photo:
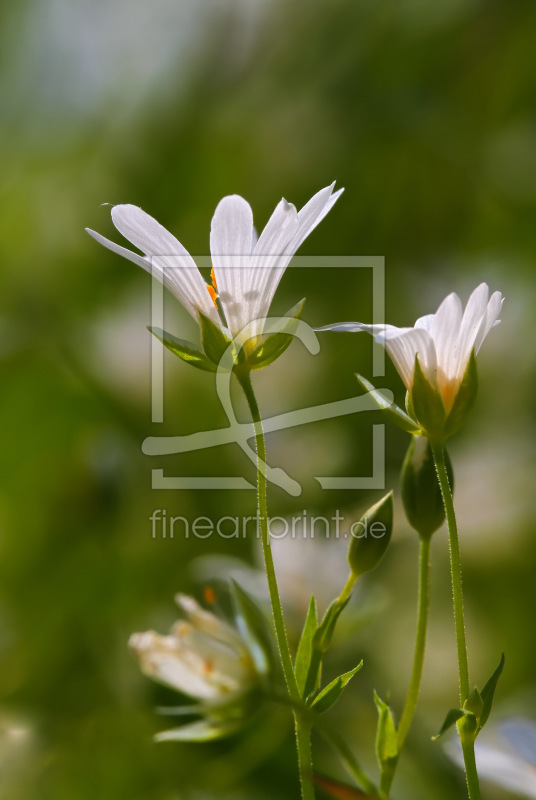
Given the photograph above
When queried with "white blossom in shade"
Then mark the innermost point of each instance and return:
(443, 342)
(246, 269)
(202, 657)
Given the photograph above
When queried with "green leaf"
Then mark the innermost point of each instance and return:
(451, 719)
(326, 629)
(391, 411)
(331, 693)
(254, 628)
(339, 791)
(185, 350)
(427, 403)
(488, 692)
(305, 647)
(200, 731)
(273, 345)
(321, 641)
(465, 398)
(386, 738)
(215, 342)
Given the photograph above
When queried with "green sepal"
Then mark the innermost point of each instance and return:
(386, 737)
(420, 490)
(451, 719)
(465, 398)
(272, 345)
(427, 404)
(367, 550)
(203, 730)
(488, 693)
(254, 629)
(331, 693)
(215, 342)
(185, 350)
(305, 648)
(391, 411)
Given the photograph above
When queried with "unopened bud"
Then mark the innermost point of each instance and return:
(370, 536)
(421, 493)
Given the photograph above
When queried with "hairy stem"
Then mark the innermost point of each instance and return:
(302, 725)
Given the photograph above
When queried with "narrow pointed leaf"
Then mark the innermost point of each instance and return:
(253, 625)
(386, 739)
(451, 719)
(321, 641)
(215, 342)
(273, 345)
(391, 411)
(305, 647)
(488, 692)
(185, 350)
(331, 693)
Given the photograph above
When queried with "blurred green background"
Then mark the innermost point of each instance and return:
(425, 113)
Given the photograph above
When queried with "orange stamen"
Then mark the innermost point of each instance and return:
(213, 290)
(209, 595)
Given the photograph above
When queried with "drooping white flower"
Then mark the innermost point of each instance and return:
(440, 344)
(202, 657)
(246, 269)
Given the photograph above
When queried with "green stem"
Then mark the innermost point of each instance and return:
(457, 595)
(420, 643)
(302, 726)
(471, 774)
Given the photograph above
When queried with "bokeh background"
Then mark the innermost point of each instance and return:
(425, 112)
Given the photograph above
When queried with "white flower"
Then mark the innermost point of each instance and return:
(246, 269)
(442, 343)
(202, 657)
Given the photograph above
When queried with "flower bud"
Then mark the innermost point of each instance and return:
(370, 536)
(421, 494)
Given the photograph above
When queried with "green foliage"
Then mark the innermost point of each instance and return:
(465, 399)
(185, 350)
(305, 648)
(331, 693)
(390, 410)
(386, 739)
(253, 626)
(215, 342)
(273, 345)
(427, 404)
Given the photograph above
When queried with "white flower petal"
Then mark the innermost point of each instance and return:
(284, 233)
(492, 318)
(209, 623)
(404, 346)
(141, 261)
(174, 265)
(473, 321)
(231, 243)
(160, 659)
(444, 329)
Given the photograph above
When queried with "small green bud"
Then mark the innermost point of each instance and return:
(474, 703)
(421, 494)
(370, 536)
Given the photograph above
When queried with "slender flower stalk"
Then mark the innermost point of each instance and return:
(420, 643)
(301, 723)
(467, 742)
